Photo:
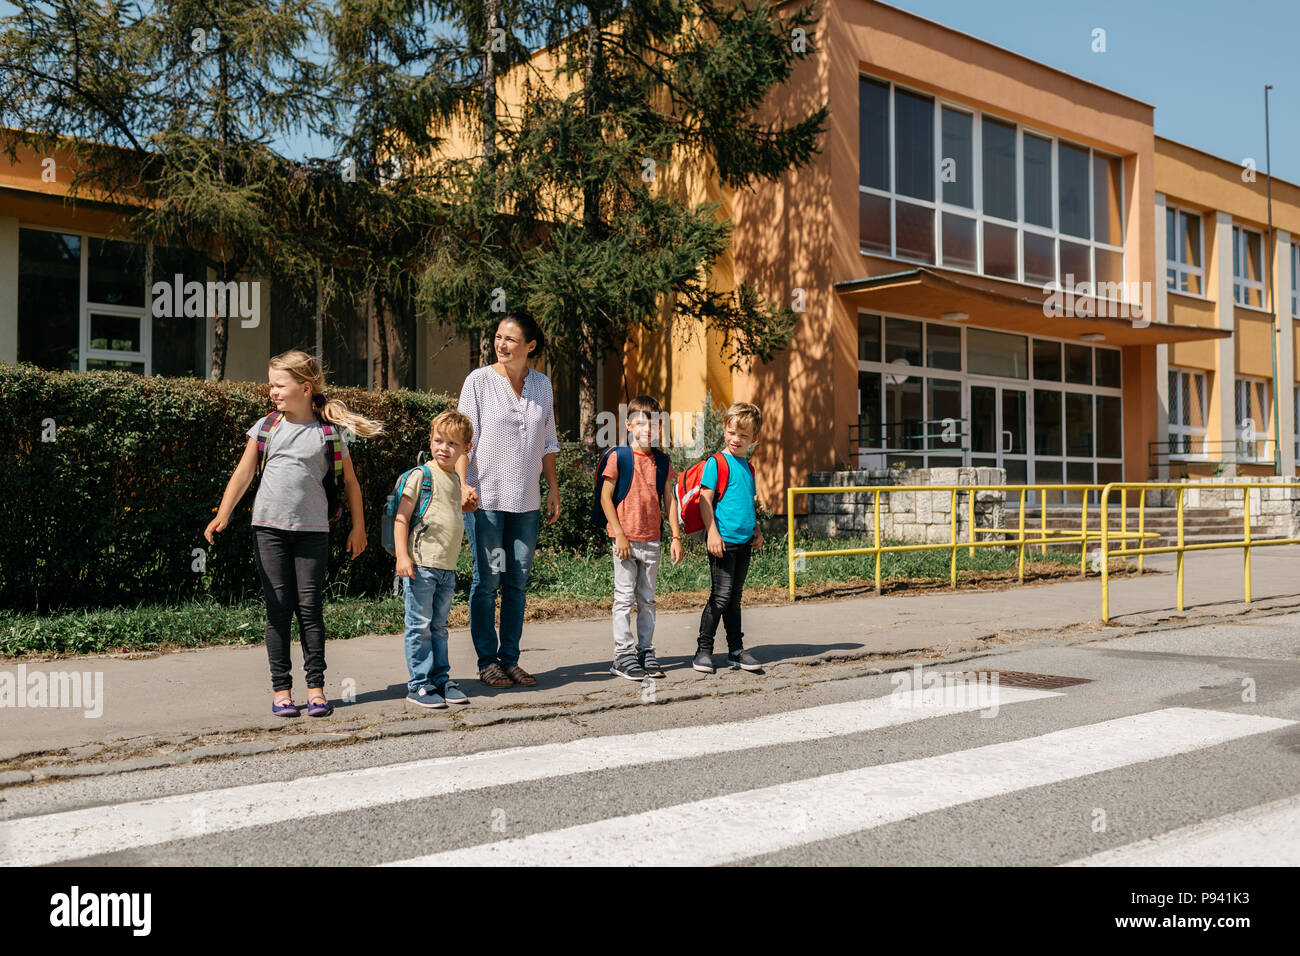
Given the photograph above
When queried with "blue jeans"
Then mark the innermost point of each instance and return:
(428, 599)
(502, 543)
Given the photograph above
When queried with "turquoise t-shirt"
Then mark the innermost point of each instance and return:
(735, 512)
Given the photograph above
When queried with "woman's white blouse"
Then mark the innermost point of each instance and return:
(510, 437)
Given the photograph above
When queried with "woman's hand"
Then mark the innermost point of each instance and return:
(468, 498)
(553, 505)
(356, 541)
(216, 524)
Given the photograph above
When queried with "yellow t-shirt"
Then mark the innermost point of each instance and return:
(435, 538)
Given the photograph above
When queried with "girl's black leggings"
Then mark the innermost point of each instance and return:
(292, 566)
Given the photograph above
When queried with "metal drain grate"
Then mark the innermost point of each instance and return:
(1039, 681)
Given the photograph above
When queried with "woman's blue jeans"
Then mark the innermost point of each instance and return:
(502, 543)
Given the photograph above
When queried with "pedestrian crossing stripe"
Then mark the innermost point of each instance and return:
(737, 826)
(1258, 836)
(77, 834)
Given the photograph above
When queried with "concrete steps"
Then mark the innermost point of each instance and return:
(1200, 525)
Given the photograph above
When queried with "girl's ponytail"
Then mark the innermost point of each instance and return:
(304, 368)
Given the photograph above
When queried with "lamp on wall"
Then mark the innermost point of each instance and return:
(1093, 337)
(954, 316)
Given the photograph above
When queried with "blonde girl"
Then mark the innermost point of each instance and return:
(291, 518)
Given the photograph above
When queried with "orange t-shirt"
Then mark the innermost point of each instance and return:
(639, 512)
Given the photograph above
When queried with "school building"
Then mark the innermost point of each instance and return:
(960, 185)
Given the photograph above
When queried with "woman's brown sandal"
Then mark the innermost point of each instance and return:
(520, 676)
(494, 676)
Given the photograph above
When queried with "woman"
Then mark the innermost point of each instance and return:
(513, 412)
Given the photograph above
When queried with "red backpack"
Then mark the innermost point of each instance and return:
(687, 493)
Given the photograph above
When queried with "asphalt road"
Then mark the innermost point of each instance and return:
(1182, 748)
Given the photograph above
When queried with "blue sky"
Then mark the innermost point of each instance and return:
(1202, 63)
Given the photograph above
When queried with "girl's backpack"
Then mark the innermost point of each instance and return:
(333, 455)
(422, 499)
(688, 489)
(626, 468)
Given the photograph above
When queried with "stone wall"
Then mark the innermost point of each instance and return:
(1275, 510)
(911, 516)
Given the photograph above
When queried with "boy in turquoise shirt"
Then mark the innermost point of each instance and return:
(731, 533)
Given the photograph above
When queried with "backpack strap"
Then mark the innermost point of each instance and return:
(269, 424)
(425, 491)
(626, 471)
(724, 476)
(662, 465)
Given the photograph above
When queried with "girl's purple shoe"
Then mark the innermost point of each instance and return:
(319, 707)
(284, 707)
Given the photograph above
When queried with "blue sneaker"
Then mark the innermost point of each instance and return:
(452, 693)
(427, 697)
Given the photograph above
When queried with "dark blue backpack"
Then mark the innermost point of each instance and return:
(626, 468)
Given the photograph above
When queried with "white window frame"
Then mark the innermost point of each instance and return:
(967, 378)
(86, 307)
(1181, 433)
(1179, 266)
(1240, 284)
(1295, 419)
(1295, 279)
(1242, 394)
(938, 207)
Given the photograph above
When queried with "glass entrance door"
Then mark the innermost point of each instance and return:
(999, 430)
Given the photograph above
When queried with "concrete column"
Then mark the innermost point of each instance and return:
(9, 289)
(1223, 390)
(1285, 354)
(1161, 305)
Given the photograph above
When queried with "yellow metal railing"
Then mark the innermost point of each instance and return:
(1182, 547)
(1019, 537)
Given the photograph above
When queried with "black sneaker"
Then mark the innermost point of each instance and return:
(629, 668)
(703, 662)
(744, 660)
(650, 664)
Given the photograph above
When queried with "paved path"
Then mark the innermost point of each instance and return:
(224, 689)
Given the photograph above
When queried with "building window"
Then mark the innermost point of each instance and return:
(1295, 419)
(1184, 253)
(104, 321)
(1187, 408)
(1247, 267)
(993, 198)
(1253, 411)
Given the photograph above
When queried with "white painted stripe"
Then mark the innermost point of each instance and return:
(729, 828)
(1267, 835)
(75, 834)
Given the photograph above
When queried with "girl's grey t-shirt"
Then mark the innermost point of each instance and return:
(291, 495)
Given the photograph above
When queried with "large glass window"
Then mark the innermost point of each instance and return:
(1295, 278)
(997, 353)
(1253, 417)
(958, 159)
(49, 299)
(1184, 253)
(913, 145)
(1005, 199)
(1247, 267)
(1048, 430)
(1078, 425)
(873, 133)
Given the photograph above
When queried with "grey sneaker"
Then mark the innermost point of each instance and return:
(703, 662)
(744, 660)
(452, 693)
(427, 697)
(629, 668)
(650, 664)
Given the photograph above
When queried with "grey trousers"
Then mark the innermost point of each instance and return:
(634, 580)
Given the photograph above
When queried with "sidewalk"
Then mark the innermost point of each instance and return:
(179, 696)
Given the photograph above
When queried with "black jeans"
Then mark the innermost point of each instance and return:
(728, 573)
(292, 567)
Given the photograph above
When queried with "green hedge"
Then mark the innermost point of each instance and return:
(110, 512)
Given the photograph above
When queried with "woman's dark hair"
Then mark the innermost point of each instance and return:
(532, 331)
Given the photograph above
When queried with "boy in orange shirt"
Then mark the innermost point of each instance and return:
(633, 511)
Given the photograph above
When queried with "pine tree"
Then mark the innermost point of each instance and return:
(566, 225)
